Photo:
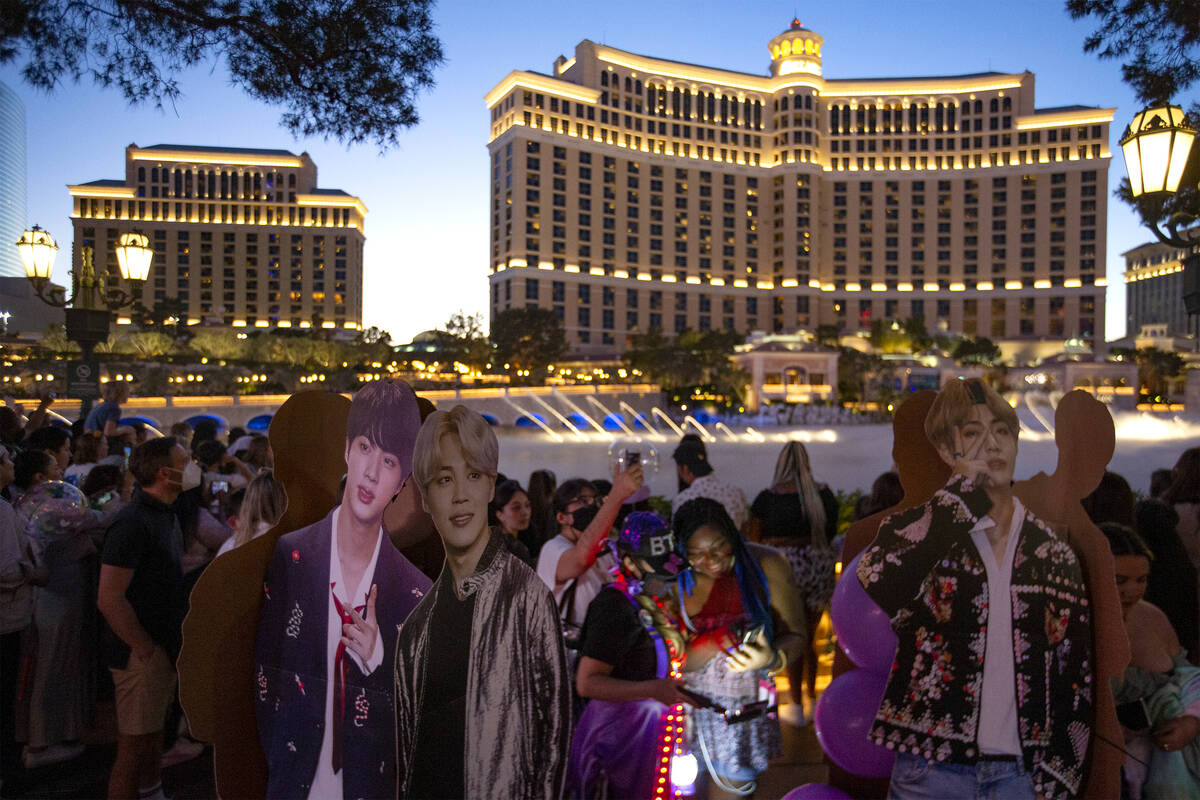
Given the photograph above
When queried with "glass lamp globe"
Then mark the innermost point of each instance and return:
(134, 255)
(1156, 147)
(38, 250)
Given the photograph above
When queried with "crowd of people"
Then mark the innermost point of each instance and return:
(702, 602)
(73, 505)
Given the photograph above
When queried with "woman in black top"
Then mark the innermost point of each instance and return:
(799, 517)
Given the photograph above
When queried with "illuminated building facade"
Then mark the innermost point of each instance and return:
(1154, 288)
(242, 237)
(630, 192)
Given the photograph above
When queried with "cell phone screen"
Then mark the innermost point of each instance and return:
(632, 457)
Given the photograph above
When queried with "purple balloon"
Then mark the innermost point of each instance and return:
(863, 630)
(816, 791)
(843, 719)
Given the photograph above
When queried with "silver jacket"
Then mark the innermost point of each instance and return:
(518, 715)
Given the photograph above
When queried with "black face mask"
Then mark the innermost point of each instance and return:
(583, 516)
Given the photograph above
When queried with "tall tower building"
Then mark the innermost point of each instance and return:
(242, 237)
(12, 181)
(630, 192)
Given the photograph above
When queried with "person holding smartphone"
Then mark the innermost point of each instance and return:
(991, 688)
(745, 623)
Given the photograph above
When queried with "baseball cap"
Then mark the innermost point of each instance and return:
(647, 536)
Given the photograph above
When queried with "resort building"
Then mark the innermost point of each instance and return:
(629, 192)
(1154, 287)
(242, 237)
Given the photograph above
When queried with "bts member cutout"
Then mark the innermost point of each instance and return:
(335, 595)
(482, 699)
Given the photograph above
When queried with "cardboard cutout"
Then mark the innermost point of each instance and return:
(481, 685)
(299, 628)
(922, 473)
(216, 665)
(1086, 438)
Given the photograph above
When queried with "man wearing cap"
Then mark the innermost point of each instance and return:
(629, 640)
(696, 479)
(335, 595)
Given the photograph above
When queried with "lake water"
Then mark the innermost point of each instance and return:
(845, 457)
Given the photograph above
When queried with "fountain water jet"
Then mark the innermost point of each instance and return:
(704, 434)
(670, 422)
(563, 398)
(553, 434)
(609, 415)
(566, 422)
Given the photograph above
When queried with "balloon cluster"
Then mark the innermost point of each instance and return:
(846, 711)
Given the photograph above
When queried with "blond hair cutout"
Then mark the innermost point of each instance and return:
(793, 465)
(475, 437)
(952, 408)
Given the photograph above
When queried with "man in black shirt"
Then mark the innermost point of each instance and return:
(141, 597)
(629, 643)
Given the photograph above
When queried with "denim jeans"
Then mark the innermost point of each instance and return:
(915, 778)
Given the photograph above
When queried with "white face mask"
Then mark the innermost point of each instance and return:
(190, 476)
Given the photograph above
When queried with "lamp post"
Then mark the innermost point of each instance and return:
(93, 299)
(1157, 145)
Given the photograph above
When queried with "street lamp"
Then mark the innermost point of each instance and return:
(1157, 145)
(93, 300)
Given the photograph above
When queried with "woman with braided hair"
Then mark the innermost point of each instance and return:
(799, 517)
(743, 616)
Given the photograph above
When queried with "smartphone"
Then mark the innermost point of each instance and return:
(632, 457)
(1134, 715)
(699, 700)
(219, 486)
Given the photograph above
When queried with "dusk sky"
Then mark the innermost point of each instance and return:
(427, 226)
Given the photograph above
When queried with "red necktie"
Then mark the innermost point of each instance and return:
(339, 679)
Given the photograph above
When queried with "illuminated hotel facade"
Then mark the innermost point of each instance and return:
(630, 192)
(1154, 288)
(242, 237)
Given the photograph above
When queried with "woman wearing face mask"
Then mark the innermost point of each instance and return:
(1159, 699)
(746, 624)
(511, 512)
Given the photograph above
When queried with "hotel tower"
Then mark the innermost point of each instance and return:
(630, 192)
(242, 237)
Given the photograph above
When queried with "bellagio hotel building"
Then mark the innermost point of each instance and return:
(242, 237)
(630, 192)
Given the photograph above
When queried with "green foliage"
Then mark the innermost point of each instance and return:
(350, 71)
(528, 339)
(139, 344)
(847, 502)
(463, 339)
(55, 342)
(1156, 368)
(692, 358)
(981, 350)
(863, 377)
(827, 335)
(219, 345)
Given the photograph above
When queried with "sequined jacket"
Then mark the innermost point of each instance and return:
(291, 663)
(924, 571)
(518, 715)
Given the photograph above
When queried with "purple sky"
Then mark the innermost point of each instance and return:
(427, 230)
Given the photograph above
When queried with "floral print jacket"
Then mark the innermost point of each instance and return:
(924, 571)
